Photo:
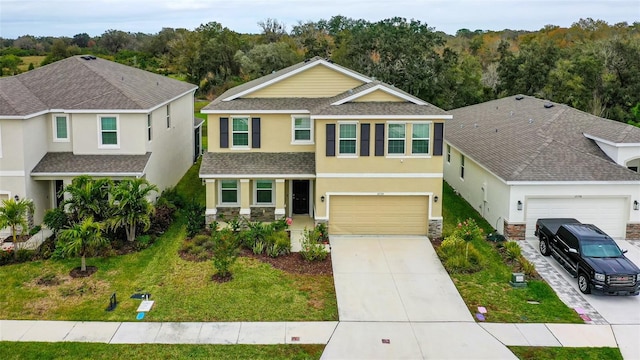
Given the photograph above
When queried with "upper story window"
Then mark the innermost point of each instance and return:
(109, 132)
(168, 116)
(60, 128)
(302, 130)
(396, 139)
(264, 192)
(229, 192)
(149, 123)
(420, 139)
(240, 132)
(462, 166)
(448, 153)
(347, 138)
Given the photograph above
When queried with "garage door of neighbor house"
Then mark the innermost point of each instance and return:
(608, 214)
(378, 215)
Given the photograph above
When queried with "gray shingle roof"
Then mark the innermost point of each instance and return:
(258, 163)
(78, 84)
(67, 163)
(521, 140)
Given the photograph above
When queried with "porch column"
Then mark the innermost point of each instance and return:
(245, 197)
(280, 196)
(211, 200)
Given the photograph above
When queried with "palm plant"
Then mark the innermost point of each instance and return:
(131, 206)
(13, 214)
(88, 198)
(82, 237)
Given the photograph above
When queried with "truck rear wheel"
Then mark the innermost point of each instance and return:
(584, 283)
(544, 246)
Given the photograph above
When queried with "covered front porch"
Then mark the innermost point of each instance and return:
(258, 186)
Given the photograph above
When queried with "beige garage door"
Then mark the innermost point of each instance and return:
(378, 215)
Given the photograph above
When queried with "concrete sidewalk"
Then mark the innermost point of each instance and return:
(451, 340)
(168, 332)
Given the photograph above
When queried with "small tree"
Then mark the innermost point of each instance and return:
(225, 252)
(131, 206)
(88, 197)
(13, 214)
(82, 237)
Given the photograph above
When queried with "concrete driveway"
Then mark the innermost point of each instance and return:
(388, 278)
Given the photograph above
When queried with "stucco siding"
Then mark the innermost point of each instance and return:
(132, 134)
(12, 150)
(54, 145)
(319, 81)
(171, 149)
(275, 134)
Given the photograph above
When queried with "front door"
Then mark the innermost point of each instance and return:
(300, 190)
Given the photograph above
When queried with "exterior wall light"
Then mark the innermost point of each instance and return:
(18, 198)
(636, 205)
(519, 205)
(435, 198)
(322, 198)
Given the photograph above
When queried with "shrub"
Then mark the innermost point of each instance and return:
(258, 247)
(162, 218)
(278, 244)
(225, 251)
(199, 240)
(323, 232)
(35, 230)
(281, 224)
(513, 251)
(143, 241)
(459, 256)
(56, 219)
(527, 267)
(194, 213)
(312, 248)
(255, 232)
(468, 230)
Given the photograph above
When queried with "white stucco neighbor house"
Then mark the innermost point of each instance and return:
(520, 158)
(85, 115)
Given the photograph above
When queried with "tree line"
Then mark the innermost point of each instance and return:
(592, 65)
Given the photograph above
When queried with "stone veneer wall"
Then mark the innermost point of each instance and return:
(435, 229)
(263, 214)
(227, 212)
(633, 231)
(515, 231)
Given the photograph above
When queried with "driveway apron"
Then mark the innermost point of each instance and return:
(393, 279)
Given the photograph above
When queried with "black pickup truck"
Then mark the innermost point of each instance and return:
(590, 255)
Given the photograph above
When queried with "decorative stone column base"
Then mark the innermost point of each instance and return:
(435, 228)
(633, 231)
(514, 231)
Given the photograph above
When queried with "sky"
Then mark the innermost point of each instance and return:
(94, 17)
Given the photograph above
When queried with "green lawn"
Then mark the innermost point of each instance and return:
(490, 287)
(198, 105)
(94, 351)
(565, 353)
(258, 292)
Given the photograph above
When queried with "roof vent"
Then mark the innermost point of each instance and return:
(511, 113)
(475, 125)
(548, 105)
(519, 97)
(530, 121)
(85, 57)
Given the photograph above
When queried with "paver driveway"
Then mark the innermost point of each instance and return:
(385, 278)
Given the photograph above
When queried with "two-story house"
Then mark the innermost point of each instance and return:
(85, 115)
(320, 140)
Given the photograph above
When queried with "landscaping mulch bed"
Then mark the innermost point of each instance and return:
(77, 273)
(294, 263)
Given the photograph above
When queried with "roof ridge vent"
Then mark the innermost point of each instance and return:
(519, 97)
(548, 105)
(88, 57)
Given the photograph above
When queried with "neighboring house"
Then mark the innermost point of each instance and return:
(319, 140)
(519, 158)
(85, 115)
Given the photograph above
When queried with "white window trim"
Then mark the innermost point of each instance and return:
(228, 204)
(293, 131)
(462, 166)
(241, 147)
(108, 146)
(149, 127)
(54, 124)
(169, 116)
(338, 153)
(428, 139)
(448, 154)
(255, 193)
(387, 138)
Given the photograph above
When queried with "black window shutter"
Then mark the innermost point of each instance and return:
(364, 139)
(224, 132)
(437, 138)
(331, 139)
(255, 133)
(379, 139)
